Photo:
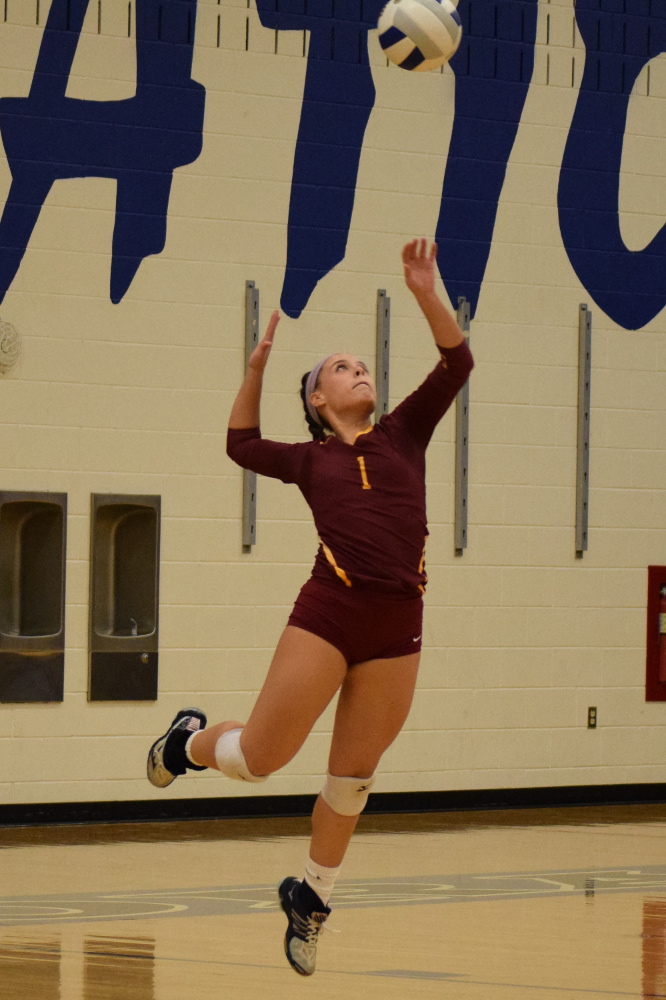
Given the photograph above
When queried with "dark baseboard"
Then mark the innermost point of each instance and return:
(154, 810)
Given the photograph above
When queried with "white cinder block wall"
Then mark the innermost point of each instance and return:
(520, 636)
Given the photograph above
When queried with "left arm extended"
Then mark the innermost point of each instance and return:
(419, 267)
(418, 414)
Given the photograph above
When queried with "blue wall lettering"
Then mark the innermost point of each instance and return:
(493, 69)
(620, 36)
(138, 142)
(337, 99)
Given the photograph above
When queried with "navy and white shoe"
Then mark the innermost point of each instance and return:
(167, 758)
(306, 915)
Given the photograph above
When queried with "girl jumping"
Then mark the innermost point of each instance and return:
(356, 625)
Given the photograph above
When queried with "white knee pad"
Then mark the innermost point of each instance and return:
(231, 760)
(346, 796)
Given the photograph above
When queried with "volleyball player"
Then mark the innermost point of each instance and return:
(356, 625)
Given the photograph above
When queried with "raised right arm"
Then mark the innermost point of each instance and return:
(246, 409)
(245, 444)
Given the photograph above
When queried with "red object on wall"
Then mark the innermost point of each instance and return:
(655, 649)
(662, 635)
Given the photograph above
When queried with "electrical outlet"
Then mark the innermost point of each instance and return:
(592, 717)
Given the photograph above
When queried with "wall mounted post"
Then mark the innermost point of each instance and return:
(462, 444)
(32, 596)
(382, 351)
(583, 444)
(124, 597)
(250, 478)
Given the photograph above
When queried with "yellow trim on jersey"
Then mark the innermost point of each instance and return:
(422, 570)
(366, 431)
(331, 558)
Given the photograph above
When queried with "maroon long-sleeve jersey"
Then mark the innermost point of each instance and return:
(368, 498)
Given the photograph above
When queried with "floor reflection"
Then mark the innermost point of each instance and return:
(112, 967)
(119, 967)
(30, 968)
(270, 827)
(654, 947)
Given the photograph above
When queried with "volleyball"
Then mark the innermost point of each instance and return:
(419, 34)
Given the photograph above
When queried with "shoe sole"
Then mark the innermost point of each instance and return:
(156, 772)
(293, 964)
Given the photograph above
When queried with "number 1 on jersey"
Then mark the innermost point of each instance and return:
(364, 475)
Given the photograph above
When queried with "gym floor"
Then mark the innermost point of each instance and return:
(539, 904)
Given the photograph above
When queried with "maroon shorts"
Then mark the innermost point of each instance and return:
(361, 625)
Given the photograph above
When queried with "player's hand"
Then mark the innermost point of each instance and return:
(259, 356)
(419, 266)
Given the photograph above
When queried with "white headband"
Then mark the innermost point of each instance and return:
(310, 385)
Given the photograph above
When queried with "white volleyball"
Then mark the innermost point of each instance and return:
(419, 34)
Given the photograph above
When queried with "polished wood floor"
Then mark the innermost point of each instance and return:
(471, 906)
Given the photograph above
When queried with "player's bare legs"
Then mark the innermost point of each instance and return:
(306, 672)
(304, 675)
(374, 702)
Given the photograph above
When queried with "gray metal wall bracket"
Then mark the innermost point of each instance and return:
(250, 478)
(382, 352)
(462, 443)
(583, 445)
